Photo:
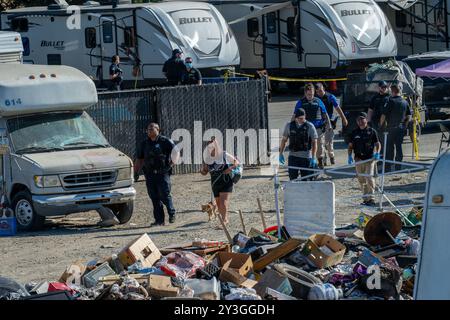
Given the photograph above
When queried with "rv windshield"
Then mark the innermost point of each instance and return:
(54, 132)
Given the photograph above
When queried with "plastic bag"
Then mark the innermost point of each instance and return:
(183, 264)
(11, 290)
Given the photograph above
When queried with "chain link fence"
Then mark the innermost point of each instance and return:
(123, 116)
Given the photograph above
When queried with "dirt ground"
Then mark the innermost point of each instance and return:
(45, 254)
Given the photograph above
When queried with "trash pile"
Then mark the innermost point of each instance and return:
(374, 258)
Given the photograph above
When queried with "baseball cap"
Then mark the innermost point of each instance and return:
(382, 83)
(362, 115)
(176, 51)
(300, 112)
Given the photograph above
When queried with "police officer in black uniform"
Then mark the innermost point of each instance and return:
(365, 144)
(191, 75)
(174, 68)
(302, 136)
(115, 74)
(395, 116)
(377, 104)
(157, 154)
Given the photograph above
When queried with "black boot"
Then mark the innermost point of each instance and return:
(320, 161)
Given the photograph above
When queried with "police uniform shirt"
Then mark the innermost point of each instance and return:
(377, 104)
(114, 69)
(192, 76)
(312, 133)
(330, 102)
(317, 121)
(174, 69)
(363, 141)
(395, 112)
(156, 154)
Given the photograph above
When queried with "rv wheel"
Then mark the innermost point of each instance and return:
(123, 211)
(26, 216)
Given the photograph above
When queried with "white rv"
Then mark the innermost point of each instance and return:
(55, 159)
(11, 49)
(143, 35)
(308, 36)
(419, 25)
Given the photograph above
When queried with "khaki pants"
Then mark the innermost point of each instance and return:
(329, 136)
(320, 143)
(367, 183)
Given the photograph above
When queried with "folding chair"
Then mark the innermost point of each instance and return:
(445, 138)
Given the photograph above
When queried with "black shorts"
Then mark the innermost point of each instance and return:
(222, 184)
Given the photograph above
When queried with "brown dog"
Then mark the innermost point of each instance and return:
(210, 208)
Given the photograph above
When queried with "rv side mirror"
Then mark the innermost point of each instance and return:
(4, 142)
(253, 27)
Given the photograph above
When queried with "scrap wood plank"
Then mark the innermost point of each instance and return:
(262, 214)
(277, 253)
(201, 251)
(242, 222)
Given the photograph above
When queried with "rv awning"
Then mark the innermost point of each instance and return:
(437, 70)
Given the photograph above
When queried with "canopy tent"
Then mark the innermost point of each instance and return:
(437, 70)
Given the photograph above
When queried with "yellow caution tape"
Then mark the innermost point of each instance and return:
(292, 79)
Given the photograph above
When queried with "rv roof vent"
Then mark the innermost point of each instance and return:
(55, 6)
(91, 3)
(111, 2)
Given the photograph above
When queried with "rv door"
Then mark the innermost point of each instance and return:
(108, 42)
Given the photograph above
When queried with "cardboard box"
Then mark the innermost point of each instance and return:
(228, 274)
(109, 280)
(274, 280)
(142, 249)
(240, 262)
(73, 273)
(161, 286)
(323, 250)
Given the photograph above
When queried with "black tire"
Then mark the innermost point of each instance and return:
(26, 216)
(122, 211)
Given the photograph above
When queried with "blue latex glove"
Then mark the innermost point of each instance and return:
(376, 156)
(313, 163)
(350, 159)
(281, 159)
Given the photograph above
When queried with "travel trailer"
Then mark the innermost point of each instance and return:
(308, 37)
(432, 281)
(55, 159)
(419, 25)
(143, 35)
(11, 49)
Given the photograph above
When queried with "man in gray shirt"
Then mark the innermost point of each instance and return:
(302, 136)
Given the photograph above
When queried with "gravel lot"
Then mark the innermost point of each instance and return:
(44, 255)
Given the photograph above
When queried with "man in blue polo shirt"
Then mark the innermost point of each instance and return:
(316, 113)
(331, 104)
